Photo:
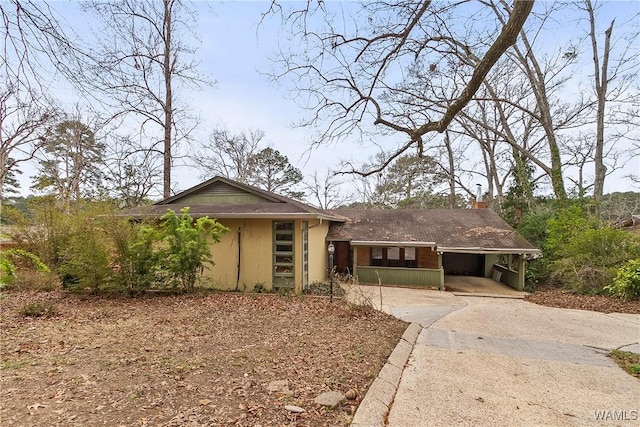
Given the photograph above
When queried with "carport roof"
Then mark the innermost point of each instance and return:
(452, 230)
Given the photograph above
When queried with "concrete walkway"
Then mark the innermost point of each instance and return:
(504, 362)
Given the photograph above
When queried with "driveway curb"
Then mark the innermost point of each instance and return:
(374, 407)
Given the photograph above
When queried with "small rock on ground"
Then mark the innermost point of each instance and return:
(330, 399)
(280, 386)
(294, 409)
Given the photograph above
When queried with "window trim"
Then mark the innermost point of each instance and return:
(400, 262)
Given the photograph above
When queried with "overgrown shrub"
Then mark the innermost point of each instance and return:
(89, 247)
(583, 253)
(48, 234)
(85, 259)
(187, 247)
(627, 281)
(134, 258)
(12, 259)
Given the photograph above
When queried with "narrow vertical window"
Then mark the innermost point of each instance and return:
(376, 256)
(283, 254)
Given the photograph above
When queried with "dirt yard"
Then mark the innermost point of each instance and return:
(194, 360)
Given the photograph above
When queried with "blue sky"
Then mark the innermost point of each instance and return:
(235, 52)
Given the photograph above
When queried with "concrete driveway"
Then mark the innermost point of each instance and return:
(505, 362)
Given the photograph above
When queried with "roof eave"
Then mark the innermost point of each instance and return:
(262, 215)
(482, 250)
(393, 243)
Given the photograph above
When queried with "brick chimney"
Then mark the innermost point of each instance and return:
(478, 203)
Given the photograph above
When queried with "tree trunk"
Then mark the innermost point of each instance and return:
(537, 79)
(601, 83)
(452, 178)
(168, 104)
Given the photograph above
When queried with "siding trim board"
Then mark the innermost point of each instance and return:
(401, 276)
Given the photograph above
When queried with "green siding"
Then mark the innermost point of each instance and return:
(209, 198)
(220, 192)
(515, 279)
(401, 276)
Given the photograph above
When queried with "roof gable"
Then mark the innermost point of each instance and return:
(220, 190)
(221, 197)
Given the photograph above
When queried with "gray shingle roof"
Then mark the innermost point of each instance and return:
(479, 229)
(270, 205)
(229, 210)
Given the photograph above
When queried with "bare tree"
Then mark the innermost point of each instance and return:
(23, 121)
(521, 103)
(142, 61)
(355, 74)
(613, 78)
(33, 44)
(326, 191)
(227, 154)
(132, 170)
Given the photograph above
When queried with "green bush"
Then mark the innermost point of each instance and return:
(627, 281)
(11, 259)
(85, 259)
(583, 253)
(187, 247)
(90, 248)
(563, 227)
(134, 257)
(591, 258)
(260, 288)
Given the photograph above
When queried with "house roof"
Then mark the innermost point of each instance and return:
(451, 230)
(221, 197)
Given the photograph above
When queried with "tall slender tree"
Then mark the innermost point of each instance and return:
(616, 70)
(143, 60)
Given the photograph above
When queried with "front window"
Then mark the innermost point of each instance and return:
(377, 256)
(393, 256)
(410, 257)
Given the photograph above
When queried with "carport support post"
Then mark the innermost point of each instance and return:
(442, 272)
(331, 249)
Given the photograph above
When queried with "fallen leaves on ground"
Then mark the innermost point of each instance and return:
(197, 360)
(564, 298)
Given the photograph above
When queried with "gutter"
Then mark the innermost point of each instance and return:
(480, 250)
(392, 243)
(239, 215)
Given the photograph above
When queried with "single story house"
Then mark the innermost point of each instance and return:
(421, 246)
(278, 242)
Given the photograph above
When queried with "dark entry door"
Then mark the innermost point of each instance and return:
(343, 259)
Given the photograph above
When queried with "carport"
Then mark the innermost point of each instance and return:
(418, 247)
(480, 286)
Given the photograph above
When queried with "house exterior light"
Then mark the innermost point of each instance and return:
(331, 249)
